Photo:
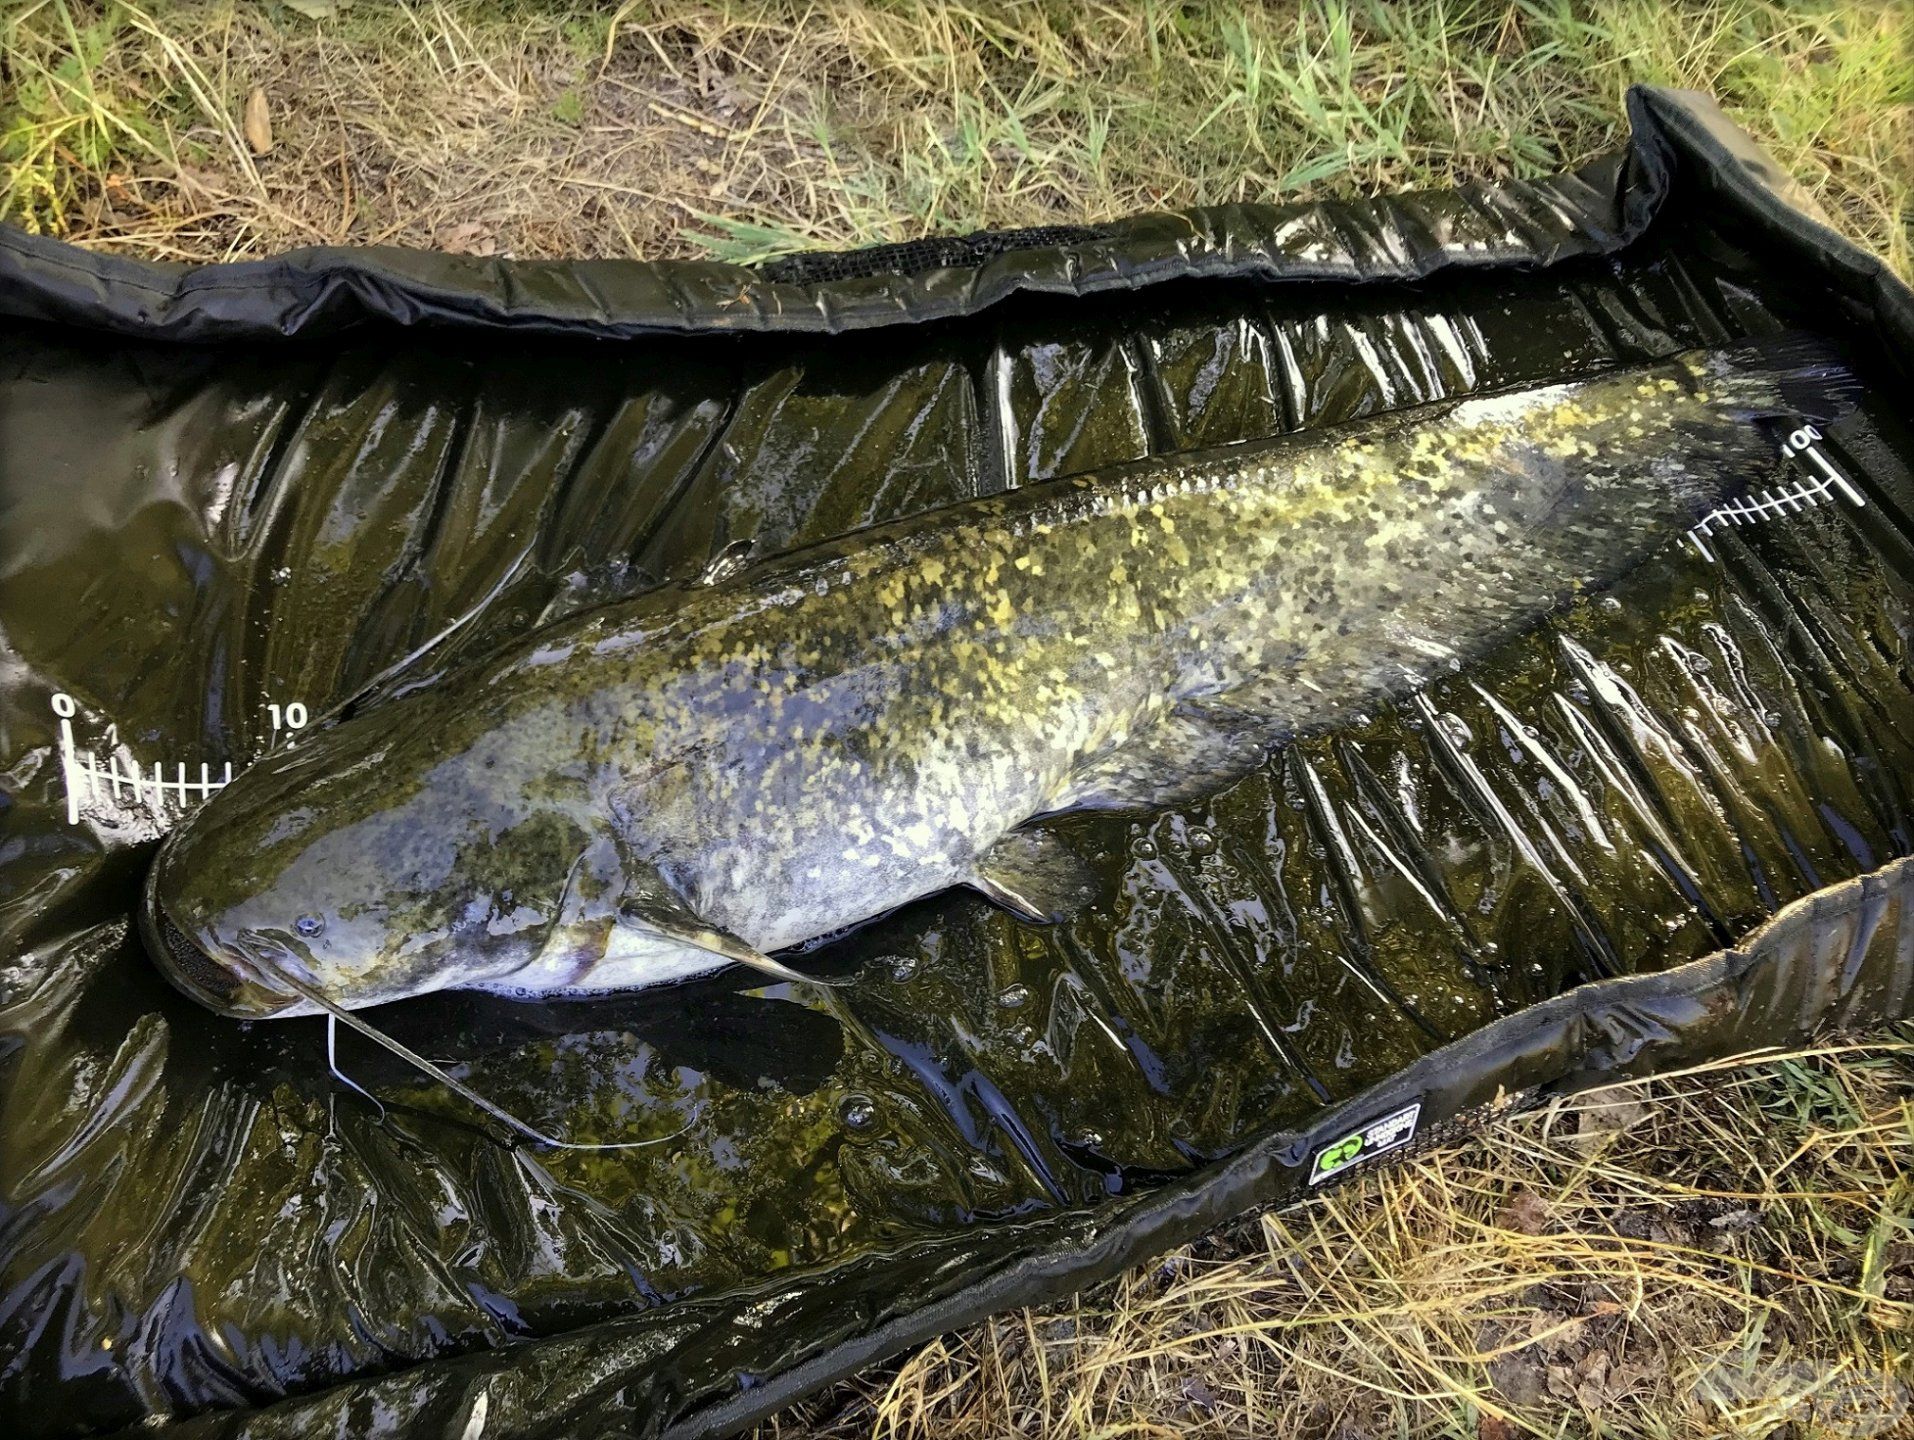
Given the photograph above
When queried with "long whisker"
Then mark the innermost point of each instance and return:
(332, 1064)
(425, 1067)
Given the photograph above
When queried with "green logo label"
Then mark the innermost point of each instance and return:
(1372, 1139)
(1340, 1154)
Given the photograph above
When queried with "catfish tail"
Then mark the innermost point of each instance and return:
(1790, 376)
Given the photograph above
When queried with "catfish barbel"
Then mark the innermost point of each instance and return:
(712, 772)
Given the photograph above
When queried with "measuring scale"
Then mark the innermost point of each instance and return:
(1790, 500)
(89, 782)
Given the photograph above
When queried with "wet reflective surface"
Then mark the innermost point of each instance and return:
(196, 542)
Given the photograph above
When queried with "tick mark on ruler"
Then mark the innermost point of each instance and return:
(1789, 500)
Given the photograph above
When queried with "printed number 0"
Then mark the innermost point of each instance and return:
(64, 707)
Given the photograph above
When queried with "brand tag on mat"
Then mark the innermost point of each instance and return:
(1392, 1130)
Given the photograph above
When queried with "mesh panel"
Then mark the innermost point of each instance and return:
(936, 252)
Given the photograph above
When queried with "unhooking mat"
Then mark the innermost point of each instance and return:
(1671, 822)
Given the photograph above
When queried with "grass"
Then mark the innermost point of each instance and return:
(1720, 1253)
(748, 129)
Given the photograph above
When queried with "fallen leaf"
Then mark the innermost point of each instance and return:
(1525, 1212)
(1606, 1113)
(1591, 1393)
(258, 121)
(471, 237)
(1494, 1427)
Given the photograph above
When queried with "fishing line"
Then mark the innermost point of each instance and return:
(336, 1013)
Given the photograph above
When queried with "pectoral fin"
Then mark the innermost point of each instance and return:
(651, 907)
(579, 933)
(1033, 874)
(651, 915)
(620, 924)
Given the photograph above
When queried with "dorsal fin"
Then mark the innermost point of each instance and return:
(726, 563)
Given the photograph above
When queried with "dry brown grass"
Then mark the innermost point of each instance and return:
(1714, 1253)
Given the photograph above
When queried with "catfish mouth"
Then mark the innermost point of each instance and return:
(229, 988)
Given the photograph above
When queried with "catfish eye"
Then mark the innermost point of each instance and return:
(310, 926)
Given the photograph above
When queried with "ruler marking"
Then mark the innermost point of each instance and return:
(1806, 494)
(71, 765)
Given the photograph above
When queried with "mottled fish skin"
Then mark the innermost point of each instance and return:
(828, 734)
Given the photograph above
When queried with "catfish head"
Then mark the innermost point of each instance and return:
(400, 853)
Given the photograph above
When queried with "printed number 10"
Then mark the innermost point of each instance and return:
(289, 717)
